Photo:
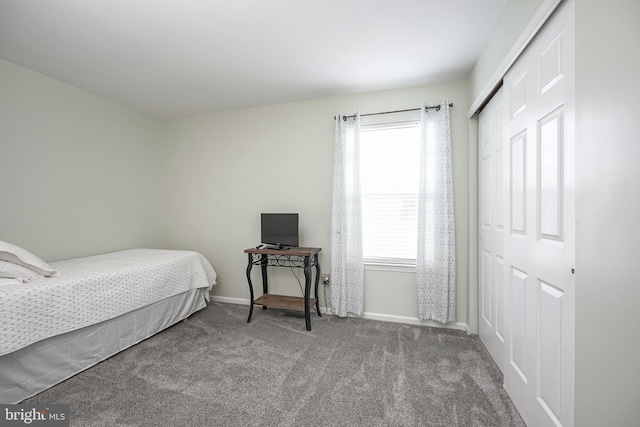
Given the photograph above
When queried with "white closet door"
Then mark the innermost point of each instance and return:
(491, 228)
(539, 243)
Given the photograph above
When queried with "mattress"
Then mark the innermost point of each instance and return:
(94, 289)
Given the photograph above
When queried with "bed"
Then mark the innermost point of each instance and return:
(54, 327)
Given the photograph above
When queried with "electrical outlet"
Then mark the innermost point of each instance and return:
(325, 277)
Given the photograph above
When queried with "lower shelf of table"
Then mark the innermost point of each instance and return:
(284, 301)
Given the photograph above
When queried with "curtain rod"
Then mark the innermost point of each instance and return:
(427, 107)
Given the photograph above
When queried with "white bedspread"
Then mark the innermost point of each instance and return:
(94, 289)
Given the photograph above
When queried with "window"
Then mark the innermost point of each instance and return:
(389, 156)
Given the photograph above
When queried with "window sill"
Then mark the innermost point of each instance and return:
(400, 268)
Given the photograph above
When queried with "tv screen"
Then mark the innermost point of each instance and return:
(280, 229)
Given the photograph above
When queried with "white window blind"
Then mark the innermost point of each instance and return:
(389, 156)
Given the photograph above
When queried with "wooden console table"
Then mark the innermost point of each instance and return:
(292, 257)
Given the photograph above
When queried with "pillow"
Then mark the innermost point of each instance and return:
(23, 257)
(9, 270)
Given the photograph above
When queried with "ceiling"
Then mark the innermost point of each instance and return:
(173, 58)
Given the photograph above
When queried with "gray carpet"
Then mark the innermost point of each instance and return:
(217, 370)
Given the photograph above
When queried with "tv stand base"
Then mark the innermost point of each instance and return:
(291, 257)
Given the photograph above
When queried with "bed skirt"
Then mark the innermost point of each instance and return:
(41, 365)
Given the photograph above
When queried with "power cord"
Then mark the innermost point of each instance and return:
(298, 279)
(326, 287)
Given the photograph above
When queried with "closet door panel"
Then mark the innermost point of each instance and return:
(491, 227)
(539, 242)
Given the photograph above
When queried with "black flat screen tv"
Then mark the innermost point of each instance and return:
(280, 229)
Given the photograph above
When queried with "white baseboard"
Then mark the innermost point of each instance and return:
(229, 300)
(458, 326)
(414, 321)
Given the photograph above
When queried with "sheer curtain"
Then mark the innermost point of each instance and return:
(436, 258)
(347, 266)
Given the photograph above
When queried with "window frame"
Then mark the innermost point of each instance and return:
(387, 263)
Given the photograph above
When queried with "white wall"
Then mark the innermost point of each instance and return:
(90, 176)
(607, 210)
(78, 172)
(226, 168)
(513, 20)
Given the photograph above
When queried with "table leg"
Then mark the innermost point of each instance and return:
(265, 283)
(307, 290)
(250, 287)
(315, 259)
